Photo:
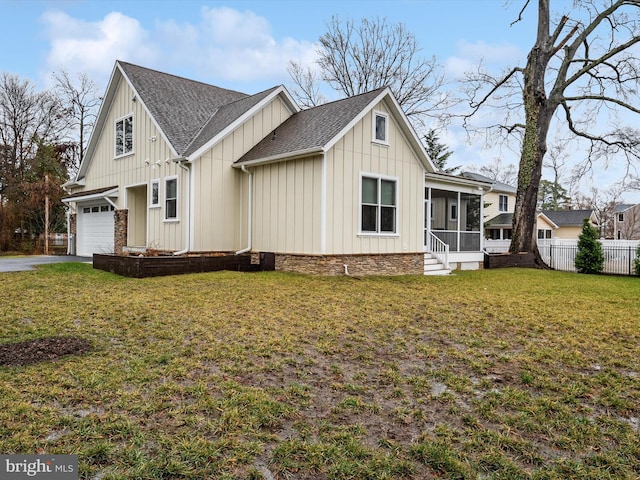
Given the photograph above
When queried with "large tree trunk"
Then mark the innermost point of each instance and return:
(538, 112)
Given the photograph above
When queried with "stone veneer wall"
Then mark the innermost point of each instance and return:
(120, 221)
(357, 265)
(73, 233)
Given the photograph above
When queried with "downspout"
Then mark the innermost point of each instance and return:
(249, 211)
(181, 161)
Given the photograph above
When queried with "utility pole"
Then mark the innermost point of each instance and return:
(46, 214)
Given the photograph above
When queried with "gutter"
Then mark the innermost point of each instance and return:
(249, 211)
(181, 161)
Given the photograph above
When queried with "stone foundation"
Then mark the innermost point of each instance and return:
(73, 233)
(357, 265)
(120, 225)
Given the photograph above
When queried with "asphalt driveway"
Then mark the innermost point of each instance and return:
(19, 264)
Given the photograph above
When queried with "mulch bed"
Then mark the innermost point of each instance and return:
(41, 350)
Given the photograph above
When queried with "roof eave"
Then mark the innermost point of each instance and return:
(281, 157)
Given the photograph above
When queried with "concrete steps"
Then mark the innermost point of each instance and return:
(432, 266)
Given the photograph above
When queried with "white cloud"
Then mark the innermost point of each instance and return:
(231, 45)
(224, 46)
(92, 47)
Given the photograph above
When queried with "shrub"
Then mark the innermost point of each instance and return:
(636, 262)
(590, 258)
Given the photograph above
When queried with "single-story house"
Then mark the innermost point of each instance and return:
(182, 167)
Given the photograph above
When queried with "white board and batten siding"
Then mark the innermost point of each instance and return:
(354, 155)
(220, 191)
(312, 205)
(287, 206)
(133, 170)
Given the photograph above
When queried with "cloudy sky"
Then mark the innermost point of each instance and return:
(245, 45)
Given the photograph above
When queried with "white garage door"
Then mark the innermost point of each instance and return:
(95, 229)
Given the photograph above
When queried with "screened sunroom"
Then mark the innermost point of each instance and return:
(453, 216)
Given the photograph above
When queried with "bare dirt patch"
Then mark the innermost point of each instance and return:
(41, 350)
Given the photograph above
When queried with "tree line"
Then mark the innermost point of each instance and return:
(42, 139)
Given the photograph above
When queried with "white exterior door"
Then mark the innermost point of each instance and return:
(94, 229)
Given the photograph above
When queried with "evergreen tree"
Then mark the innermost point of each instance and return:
(590, 258)
(438, 152)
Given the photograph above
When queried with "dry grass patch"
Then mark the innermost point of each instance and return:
(492, 374)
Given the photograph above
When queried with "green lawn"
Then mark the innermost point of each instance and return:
(498, 374)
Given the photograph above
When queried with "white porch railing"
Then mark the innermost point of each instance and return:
(438, 249)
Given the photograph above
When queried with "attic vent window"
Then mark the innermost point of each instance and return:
(380, 128)
(124, 136)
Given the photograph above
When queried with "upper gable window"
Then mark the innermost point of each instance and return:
(124, 136)
(380, 127)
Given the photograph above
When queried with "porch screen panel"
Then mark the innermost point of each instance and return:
(470, 222)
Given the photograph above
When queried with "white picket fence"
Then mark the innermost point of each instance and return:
(619, 255)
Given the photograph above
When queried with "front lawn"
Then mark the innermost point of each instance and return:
(498, 374)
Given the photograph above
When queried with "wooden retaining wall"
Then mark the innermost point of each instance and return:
(502, 260)
(143, 267)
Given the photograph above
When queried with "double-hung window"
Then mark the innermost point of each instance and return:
(503, 203)
(171, 199)
(124, 136)
(378, 205)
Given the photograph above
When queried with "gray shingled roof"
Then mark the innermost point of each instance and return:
(562, 218)
(310, 129)
(223, 117)
(497, 186)
(621, 207)
(500, 220)
(180, 106)
(567, 218)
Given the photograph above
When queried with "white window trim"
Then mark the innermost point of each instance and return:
(133, 136)
(506, 203)
(177, 218)
(155, 181)
(397, 225)
(386, 128)
(453, 218)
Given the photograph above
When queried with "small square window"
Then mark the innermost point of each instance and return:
(453, 212)
(86, 210)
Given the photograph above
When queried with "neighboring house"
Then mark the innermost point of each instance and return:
(499, 204)
(501, 198)
(626, 222)
(179, 166)
(560, 224)
(563, 224)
